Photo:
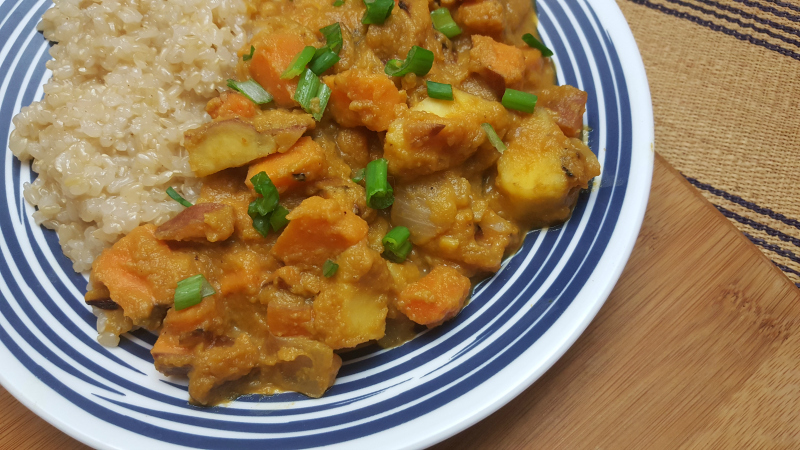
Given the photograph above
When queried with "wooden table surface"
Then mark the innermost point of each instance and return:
(697, 347)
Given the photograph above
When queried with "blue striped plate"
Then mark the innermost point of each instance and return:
(518, 324)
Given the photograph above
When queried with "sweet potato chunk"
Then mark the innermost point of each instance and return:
(318, 230)
(230, 105)
(436, 297)
(216, 146)
(501, 64)
(361, 98)
(273, 54)
(210, 222)
(140, 273)
(301, 165)
(290, 316)
(485, 17)
(542, 172)
(438, 134)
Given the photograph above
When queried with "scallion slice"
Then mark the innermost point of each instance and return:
(377, 11)
(252, 90)
(494, 139)
(329, 268)
(333, 37)
(323, 94)
(177, 197)
(396, 245)
(537, 44)
(380, 194)
(439, 91)
(324, 61)
(338, 3)
(191, 291)
(307, 88)
(521, 101)
(278, 218)
(250, 56)
(358, 175)
(298, 63)
(262, 208)
(444, 23)
(418, 61)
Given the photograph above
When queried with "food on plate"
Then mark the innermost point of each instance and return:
(356, 167)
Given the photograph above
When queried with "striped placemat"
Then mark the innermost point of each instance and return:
(725, 80)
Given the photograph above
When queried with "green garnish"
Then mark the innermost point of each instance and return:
(326, 59)
(329, 268)
(493, 137)
(396, 245)
(308, 88)
(358, 175)
(265, 210)
(521, 101)
(338, 3)
(418, 61)
(177, 197)
(250, 56)
(191, 291)
(252, 90)
(377, 11)
(380, 194)
(298, 63)
(439, 91)
(537, 44)
(444, 23)
(333, 37)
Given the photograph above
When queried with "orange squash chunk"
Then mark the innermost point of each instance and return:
(498, 63)
(303, 163)
(436, 297)
(361, 98)
(230, 105)
(318, 230)
(272, 56)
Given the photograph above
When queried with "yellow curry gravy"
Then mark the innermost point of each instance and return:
(275, 322)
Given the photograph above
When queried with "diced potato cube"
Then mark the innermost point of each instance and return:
(542, 172)
(345, 316)
(216, 146)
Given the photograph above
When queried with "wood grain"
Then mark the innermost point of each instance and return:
(697, 347)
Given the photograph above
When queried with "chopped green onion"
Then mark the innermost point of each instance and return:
(278, 218)
(333, 37)
(262, 208)
(418, 61)
(358, 175)
(252, 90)
(440, 91)
(177, 197)
(444, 23)
(329, 268)
(298, 63)
(380, 194)
(326, 59)
(338, 3)
(377, 11)
(191, 291)
(396, 245)
(250, 56)
(324, 94)
(521, 101)
(307, 88)
(537, 44)
(493, 137)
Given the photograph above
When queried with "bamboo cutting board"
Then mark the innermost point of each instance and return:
(697, 347)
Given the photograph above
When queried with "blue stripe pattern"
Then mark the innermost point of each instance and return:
(50, 333)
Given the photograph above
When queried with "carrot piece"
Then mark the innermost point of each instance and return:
(302, 163)
(272, 56)
(229, 105)
(495, 61)
(318, 230)
(436, 297)
(361, 98)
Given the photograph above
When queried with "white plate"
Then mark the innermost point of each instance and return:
(518, 324)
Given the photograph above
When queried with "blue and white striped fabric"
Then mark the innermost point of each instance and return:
(517, 325)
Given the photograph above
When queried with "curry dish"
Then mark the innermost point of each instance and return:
(361, 170)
